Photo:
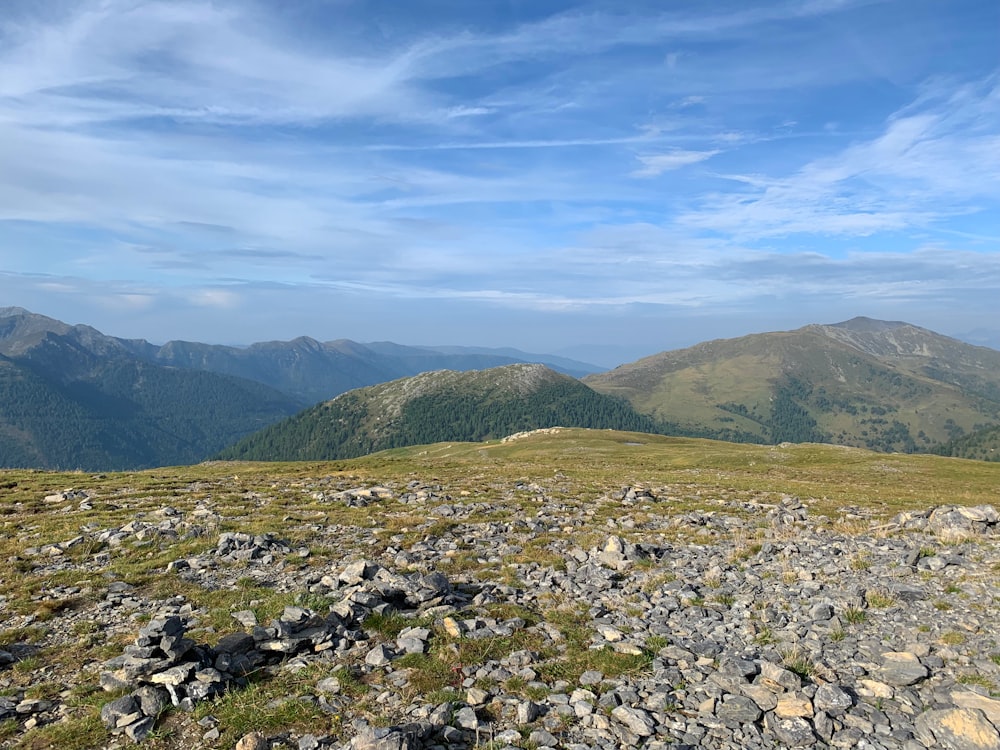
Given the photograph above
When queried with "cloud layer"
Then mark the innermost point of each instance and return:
(173, 169)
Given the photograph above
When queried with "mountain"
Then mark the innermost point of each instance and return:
(312, 371)
(886, 385)
(438, 406)
(73, 398)
(305, 369)
(565, 365)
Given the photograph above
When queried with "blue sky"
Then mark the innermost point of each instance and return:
(608, 179)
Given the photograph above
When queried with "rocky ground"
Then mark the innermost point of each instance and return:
(430, 618)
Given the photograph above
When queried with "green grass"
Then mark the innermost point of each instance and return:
(76, 734)
(797, 661)
(387, 625)
(855, 616)
(765, 637)
(880, 599)
(267, 708)
(577, 467)
(953, 638)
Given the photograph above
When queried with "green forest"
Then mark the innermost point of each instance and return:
(126, 414)
(982, 445)
(347, 427)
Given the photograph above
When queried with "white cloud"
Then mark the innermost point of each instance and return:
(935, 160)
(656, 164)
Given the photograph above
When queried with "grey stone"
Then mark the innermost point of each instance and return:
(791, 732)
(114, 711)
(738, 709)
(591, 677)
(465, 718)
(638, 721)
(542, 738)
(379, 656)
(527, 712)
(901, 668)
(833, 699)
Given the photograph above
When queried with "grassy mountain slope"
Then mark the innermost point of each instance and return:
(874, 384)
(438, 406)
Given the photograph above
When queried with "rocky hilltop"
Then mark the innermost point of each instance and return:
(326, 608)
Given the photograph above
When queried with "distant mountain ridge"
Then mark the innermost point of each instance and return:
(438, 406)
(885, 385)
(303, 368)
(73, 397)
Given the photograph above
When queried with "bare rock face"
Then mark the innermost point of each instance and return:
(957, 729)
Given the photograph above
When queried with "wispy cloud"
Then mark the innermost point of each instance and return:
(211, 154)
(656, 164)
(935, 159)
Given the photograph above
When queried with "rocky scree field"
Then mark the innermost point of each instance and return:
(565, 589)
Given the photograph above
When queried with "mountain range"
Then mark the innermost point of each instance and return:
(72, 397)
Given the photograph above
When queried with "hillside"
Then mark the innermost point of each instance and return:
(438, 406)
(884, 385)
(981, 445)
(73, 398)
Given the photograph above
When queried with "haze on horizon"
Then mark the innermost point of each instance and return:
(556, 177)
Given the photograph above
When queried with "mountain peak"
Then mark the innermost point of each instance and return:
(870, 325)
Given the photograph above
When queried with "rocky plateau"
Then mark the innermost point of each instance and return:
(436, 619)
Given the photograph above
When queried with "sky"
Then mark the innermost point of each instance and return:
(599, 179)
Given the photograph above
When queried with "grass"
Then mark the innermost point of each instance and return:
(387, 625)
(266, 708)
(797, 661)
(880, 599)
(855, 616)
(76, 734)
(861, 561)
(765, 637)
(977, 679)
(698, 475)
